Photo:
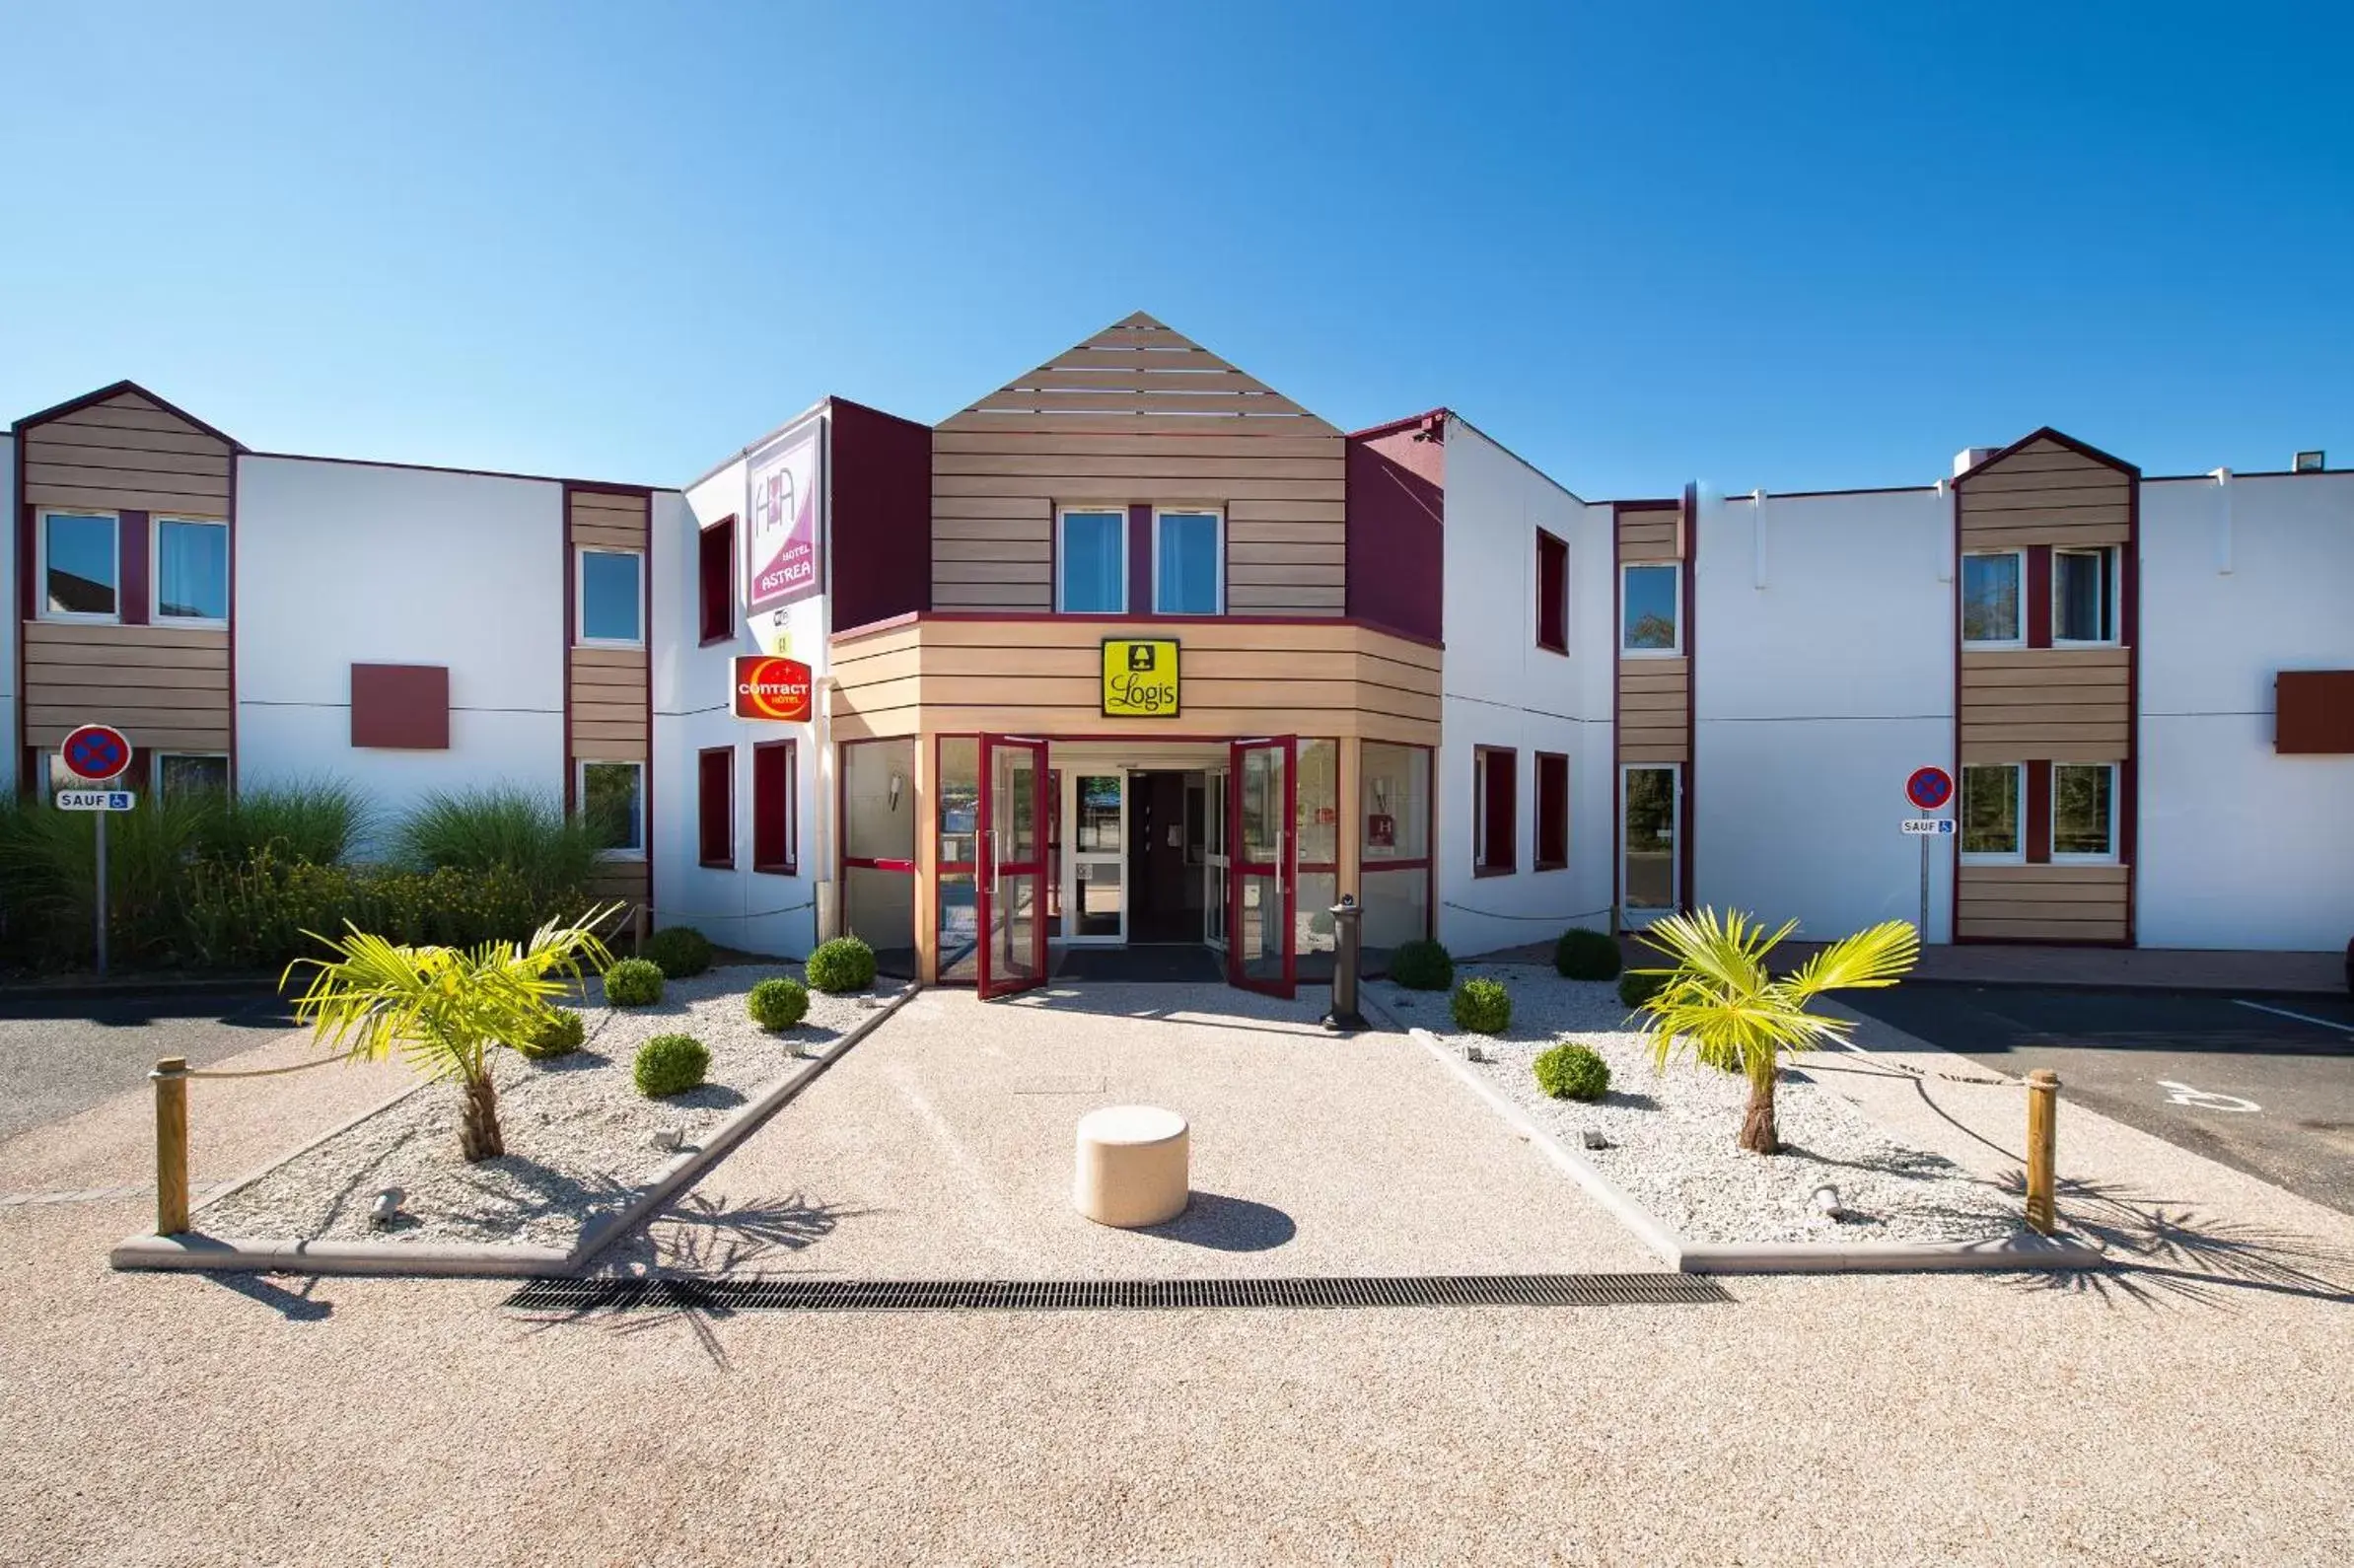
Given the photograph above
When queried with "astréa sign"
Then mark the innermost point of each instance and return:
(1140, 678)
(781, 543)
(773, 688)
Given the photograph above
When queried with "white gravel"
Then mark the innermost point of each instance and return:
(1673, 1132)
(580, 1138)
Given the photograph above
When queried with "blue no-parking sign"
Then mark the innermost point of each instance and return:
(1929, 788)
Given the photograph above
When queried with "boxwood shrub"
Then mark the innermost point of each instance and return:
(680, 952)
(1637, 986)
(1422, 965)
(844, 965)
(670, 1064)
(1570, 1071)
(1482, 1006)
(633, 982)
(777, 1003)
(559, 1033)
(1584, 954)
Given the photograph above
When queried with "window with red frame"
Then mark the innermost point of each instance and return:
(776, 781)
(715, 805)
(1552, 593)
(1495, 796)
(1552, 811)
(716, 577)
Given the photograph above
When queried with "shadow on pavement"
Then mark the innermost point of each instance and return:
(296, 1307)
(1227, 1225)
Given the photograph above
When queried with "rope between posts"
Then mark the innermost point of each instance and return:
(1493, 915)
(256, 1072)
(729, 915)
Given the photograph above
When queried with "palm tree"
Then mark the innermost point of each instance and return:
(1721, 1003)
(445, 1007)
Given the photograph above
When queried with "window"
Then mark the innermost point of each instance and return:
(2084, 814)
(613, 797)
(776, 791)
(1188, 563)
(80, 566)
(715, 581)
(179, 775)
(1651, 607)
(1495, 782)
(1990, 597)
(1092, 549)
(715, 807)
(611, 598)
(1394, 879)
(1552, 593)
(60, 777)
(1992, 799)
(2084, 596)
(1552, 811)
(192, 570)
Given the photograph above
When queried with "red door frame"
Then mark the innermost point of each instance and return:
(991, 866)
(1285, 868)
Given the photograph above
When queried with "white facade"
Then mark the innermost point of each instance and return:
(1501, 689)
(1824, 675)
(343, 563)
(2241, 847)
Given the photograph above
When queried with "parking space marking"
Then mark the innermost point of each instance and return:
(2205, 1098)
(2301, 1017)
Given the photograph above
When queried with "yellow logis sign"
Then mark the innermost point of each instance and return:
(1140, 678)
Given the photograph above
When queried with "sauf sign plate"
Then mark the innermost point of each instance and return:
(772, 688)
(781, 543)
(1140, 678)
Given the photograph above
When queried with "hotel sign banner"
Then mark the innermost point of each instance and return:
(776, 690)
(782, 561)
(1140, 678)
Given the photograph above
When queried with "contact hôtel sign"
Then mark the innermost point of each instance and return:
(769, 687)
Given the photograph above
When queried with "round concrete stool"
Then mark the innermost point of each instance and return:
(1134, 1166)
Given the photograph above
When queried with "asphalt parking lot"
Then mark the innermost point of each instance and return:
(2262, 1084)
(59, 1057)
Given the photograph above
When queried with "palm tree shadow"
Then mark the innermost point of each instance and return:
(2167, 1254)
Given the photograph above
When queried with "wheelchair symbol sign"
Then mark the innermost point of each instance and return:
(2204, 1098)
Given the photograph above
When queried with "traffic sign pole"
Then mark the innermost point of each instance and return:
(1921, 931)
(101, 891)
(1929, 789)
(98, 753)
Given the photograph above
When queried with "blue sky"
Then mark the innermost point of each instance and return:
(1751, 245)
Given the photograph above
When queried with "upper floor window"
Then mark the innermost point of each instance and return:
(715, 581)
(1091, 553)
(192, 570)
(612, 607)
(1651, 606)
(1552, 593)
(1990, 595)
(80, 566)
(2084, 594)
(1188, 563)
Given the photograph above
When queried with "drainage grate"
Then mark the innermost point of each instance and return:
(799, 1294)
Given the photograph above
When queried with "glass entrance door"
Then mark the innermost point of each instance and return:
(1263, 886)
(1650, 867)
(1012, 894)
(1097, 903)
(1215, 862)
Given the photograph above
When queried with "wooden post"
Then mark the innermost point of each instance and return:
(2042, 1136)
(170, 1145)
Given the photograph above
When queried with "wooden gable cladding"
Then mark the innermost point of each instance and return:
(164, 686)
(1139, 416)
(1655, 692)
(609, 691)
(127, 452)
(953, 675)
(2044, 491)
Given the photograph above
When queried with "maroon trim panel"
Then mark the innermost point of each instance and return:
(880, 528)
(2130, 622)
(116, 390)
(1687, 810)
(2312, 712)
(1498, 802)
(2035, 830)
(571, 593)
(1428, 419)
(946, 617)
(401, 707)
(1618, 767)
(776, 797)
(134, 551)
(2036, 590)
(235, 718)
(1552, 593)
(715, 582)
(1140, 558)
(715, 807)
(1954, 653)
(1396, 488)
(21, 540)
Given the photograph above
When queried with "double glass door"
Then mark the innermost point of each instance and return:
(1012, 870)
(1264, 879)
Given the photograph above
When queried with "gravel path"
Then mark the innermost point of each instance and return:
(1671, 1132)
(580, 1138)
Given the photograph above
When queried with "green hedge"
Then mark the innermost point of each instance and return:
(1422, 965)
(680, 952)
(633, 982)
(1482, 1006)
(1586, 955)
(256, 915)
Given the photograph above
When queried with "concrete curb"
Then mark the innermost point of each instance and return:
(193, 1251)
(2019, 1251)
(255, 986)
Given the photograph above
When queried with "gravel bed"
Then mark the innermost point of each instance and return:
(1671, 1132)
(580, 1138)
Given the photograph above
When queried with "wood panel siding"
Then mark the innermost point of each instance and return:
(2070, 703)
(127, 452)
(164, 686)
(2042, 903)
(2044, 493)
(1654, 698)
(950, 676)
(609, 694)
(1138, 414)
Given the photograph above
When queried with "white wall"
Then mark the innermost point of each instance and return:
(756, 912)
(2240, 847)
(1501, 689)
(1816, 694)
(9, 687)
(342, 563)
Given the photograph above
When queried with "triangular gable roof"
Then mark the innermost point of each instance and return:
(1138, 374)
(106, 393)
(2095, 453)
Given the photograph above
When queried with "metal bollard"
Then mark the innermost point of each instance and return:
(171, 1078)
(1344, 1019)
(2042, 1141)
